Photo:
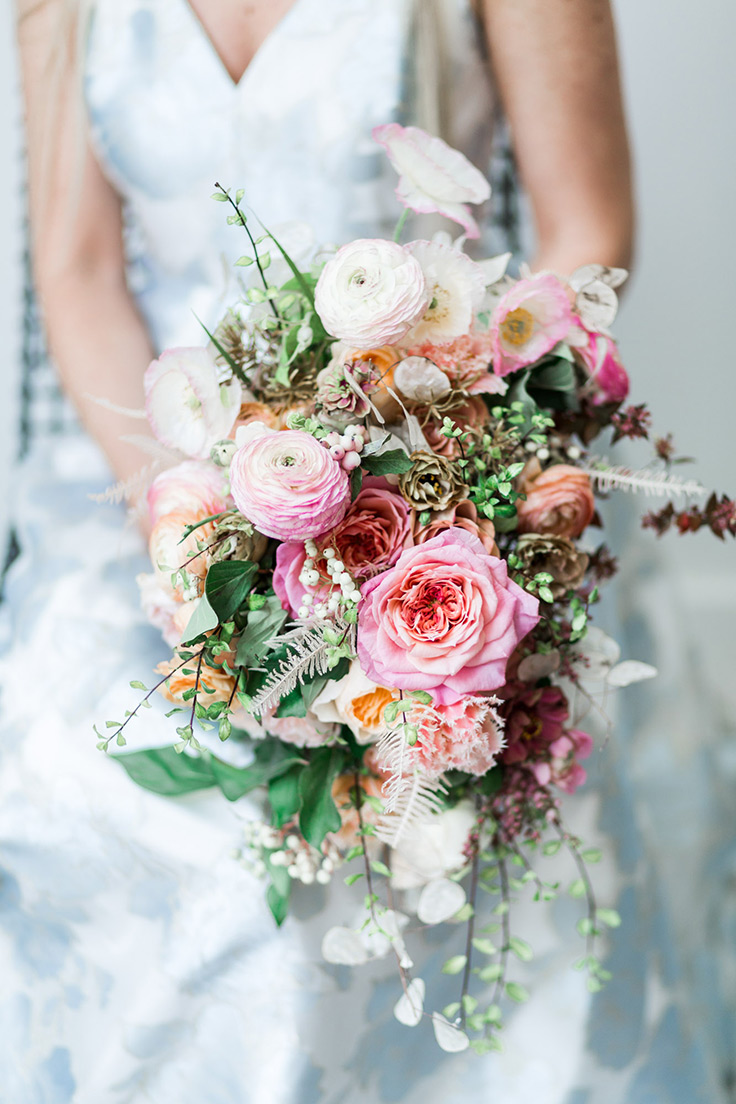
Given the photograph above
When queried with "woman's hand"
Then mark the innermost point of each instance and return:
(95, 334)
(556, 69)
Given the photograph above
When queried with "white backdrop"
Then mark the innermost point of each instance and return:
(676, 325)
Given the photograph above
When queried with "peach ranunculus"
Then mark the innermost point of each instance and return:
(169, 552)
(215, 679)
(355, 701)
(471, 415)
(559, 501)
(466, 362)
(195, 487)
(163, 610)
(462, 516)
(446, 618)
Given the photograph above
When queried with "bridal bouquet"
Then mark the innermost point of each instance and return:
(374, 560)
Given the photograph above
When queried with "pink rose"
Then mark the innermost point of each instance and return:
(466, 736)
(195, 487)
(371, 537)
(288, 485)
(445, 618)
(559, 501)
(371, 293)
(188, 405)
(528, 322)
(599, 354)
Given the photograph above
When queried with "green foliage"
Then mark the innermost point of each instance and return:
(278, 892)
(283, 796)
(227, 586)
(394, 462)
(455, 965)
(263, 623)
(164, 772)
(318, 814)
(203, 620)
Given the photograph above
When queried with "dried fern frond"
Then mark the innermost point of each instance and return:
(419, 800)
(309, 656)
(131, 489)
(107, 404)
(165, 456)
(657, 484)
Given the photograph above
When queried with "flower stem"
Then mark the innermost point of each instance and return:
(400, 224)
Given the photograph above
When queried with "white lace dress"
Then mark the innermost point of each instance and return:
(139, 962)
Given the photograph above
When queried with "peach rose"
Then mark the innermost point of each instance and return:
(558, 501)
(343, 794)
(471, 415)
(462, 516)
(355, 701)
(168, 554)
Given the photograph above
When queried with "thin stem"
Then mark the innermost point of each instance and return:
(243, 222)
(472, 898)
(153, 690)
(585, 878)
(196, 688)
(505, 928)
(400, 224)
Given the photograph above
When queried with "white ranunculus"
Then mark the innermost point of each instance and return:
(188, 406)
(420, 380)
(433, 849)
(433, 177)
(371, 293)
(456, 287)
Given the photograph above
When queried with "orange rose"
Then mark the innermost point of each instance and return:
(559, 501)
(214, 678)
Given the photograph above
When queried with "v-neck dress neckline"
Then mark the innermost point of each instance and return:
(284, 25)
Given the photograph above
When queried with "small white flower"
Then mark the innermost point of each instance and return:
(419, 380)
(433, 177)
(456, 287)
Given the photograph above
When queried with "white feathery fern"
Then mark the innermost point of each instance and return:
(658, 484)
(308, 657)
(128, 489)
(419, 799)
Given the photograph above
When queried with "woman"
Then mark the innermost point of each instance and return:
(142, 963)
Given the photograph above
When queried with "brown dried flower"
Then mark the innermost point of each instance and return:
(432, 483)
(556, 555)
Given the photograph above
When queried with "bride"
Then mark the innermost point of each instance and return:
(139, 961)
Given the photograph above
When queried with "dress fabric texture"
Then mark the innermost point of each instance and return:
(140, 964)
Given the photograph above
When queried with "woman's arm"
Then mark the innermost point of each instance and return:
(556, 68)
(95, 334)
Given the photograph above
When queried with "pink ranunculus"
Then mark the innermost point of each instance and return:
(195, 486)
(189, 407)
(371, 537)
(529, 320)
(306, 731)
(599, 354)
(433, 177)
(371, 293)
(287, 484)
(559, 500)
(466, 735)
(445, 618)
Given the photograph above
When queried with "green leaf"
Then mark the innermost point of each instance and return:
(491, 973)
(299, 276)
(552, 847)
(380, 868)
(353, 878)
(484, 946)
(521, 949)
(450, 1011)
(283, 796)
(609, 917)
(278, 893)
(516, 992)
(227, 586)
(262, 624)
(220, 348)
(244, 262)
(356, 482)
(592, 855)
(577, 888)
(393, 462)
(202, 621)
(293, 704)
(554, 374)
(164, 771)
(455, 964)
(491, 782)
(319, 814)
